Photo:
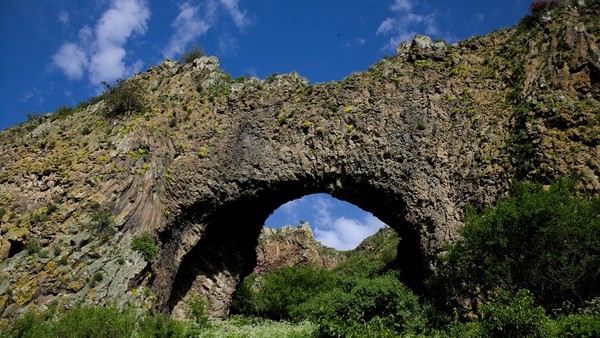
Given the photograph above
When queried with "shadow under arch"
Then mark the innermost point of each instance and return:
(226, 251)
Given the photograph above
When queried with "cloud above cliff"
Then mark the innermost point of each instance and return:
(100, 53)
(406, 20)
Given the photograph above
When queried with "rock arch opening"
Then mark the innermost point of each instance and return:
(216, 242)
(334, 223)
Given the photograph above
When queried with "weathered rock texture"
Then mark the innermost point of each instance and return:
(201, 166)
(292, 246)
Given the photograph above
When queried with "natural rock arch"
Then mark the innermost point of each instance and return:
(391, 148)
(225, 252)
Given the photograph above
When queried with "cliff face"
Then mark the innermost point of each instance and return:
(204, 159)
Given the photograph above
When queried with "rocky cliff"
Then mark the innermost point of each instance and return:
(202, 160)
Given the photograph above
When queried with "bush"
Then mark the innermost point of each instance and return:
(32, 246)
(102, 220)
(283, 290)
(193, 53)
(122, 98)
(160, 325)
(77, 322)
(197, 311)
(544, 240)
(146, 245)
(358, 306)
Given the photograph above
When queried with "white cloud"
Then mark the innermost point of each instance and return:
(72, 60)
(104, 46)
(386, 26)
(188, 26)
(405, 23)
(195, 21)
(345, 233)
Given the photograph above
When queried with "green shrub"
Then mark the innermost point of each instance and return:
(32, 246)
(102, 220)
(146, 245)
(77, 322)
(579, 325)
(359, 306)
(193, 53)
(122, 98)
(197, 311)
(160, 325)
(544, 240)
(283, 290)
(516, 316)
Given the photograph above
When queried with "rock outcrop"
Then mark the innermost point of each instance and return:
(207, 159)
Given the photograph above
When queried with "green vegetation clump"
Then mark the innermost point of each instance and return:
(102, 220)
(360, 306)
(193, 53)
(146, 245)
(543, 239)
(123, 98)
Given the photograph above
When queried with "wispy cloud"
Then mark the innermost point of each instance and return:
(240, 17)
(405, 22)
(101, 52)
(194, 21)
(63, 17)
(188, 26)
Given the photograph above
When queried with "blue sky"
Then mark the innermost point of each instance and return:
(58, 52)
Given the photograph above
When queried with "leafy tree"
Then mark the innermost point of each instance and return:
(122, 98)
(545, 240)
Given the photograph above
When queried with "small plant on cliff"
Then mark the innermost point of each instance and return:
(102, 220)
(146, 245)
(193, 53)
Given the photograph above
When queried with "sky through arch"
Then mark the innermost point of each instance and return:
(335, 223)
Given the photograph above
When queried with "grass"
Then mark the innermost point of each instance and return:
(240, 326)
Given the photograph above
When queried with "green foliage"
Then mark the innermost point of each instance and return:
(161, 325)
(146, 245)
(283, 290)
(197, 311)
(509, 316)
(193, 53)
(32, 246)
(123, 98)
(62, 112)
(358, 306)
(77, 322)
(373, 257)
(544, 240)
(102, 220)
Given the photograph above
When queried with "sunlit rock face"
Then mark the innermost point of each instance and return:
(206, 159)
